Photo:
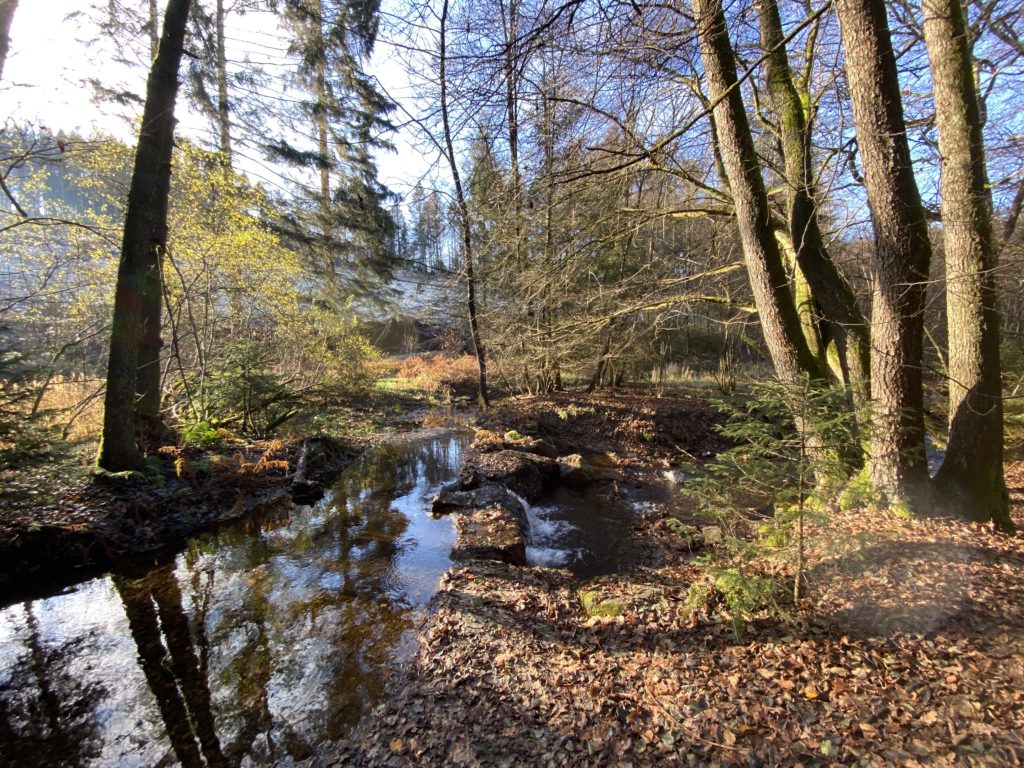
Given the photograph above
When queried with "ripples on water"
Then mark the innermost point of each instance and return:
(252, 647)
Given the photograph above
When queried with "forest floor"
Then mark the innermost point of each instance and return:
(907, 649)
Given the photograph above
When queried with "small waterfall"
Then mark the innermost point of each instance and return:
(545, 537)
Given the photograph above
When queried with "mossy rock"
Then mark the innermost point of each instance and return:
(596, 608)
(575, 470)
(115, 478)
(511, 468)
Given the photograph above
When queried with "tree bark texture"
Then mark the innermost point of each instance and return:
(831, 291)
(902, 254)
(971, 481)
(154, 30)
(464, 222)
(135, 334)
(768, 279)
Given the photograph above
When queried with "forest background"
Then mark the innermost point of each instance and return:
(582, 168)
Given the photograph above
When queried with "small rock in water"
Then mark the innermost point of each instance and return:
(575, 470)
(676, 476)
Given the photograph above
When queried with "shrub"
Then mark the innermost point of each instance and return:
(202, 434)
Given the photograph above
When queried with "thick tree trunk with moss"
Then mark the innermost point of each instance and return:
(132, 368)
(971, 481)
(897, 460)
(768, 279)
(831, 291)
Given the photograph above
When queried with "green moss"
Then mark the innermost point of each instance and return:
(901, 507)
(599, 608)
(129, 475)
(859, 492)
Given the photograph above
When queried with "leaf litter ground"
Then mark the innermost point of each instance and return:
(908, 650)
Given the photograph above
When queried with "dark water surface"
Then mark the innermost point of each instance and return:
(254, 646)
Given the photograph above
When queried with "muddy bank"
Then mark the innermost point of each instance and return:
(103, 521)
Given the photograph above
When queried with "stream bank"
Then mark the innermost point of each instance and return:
(908, 648)
(260, 643)
(107, 520)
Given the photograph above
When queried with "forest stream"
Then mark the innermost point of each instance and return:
(266, 641)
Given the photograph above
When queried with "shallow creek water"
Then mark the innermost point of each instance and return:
(254, 646)
(264, 642)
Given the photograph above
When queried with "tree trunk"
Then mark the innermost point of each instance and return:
(510, 25)
(831, 291)
(154, 30)
(971, 481)
(223, 105)
(464, 222)
(135, 333)
(897, 462)
(768, 279)
(7, 9)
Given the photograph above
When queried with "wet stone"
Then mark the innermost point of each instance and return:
(512, 468)
(575, 470)
(676, 476)
(451, 499)
(489, 534)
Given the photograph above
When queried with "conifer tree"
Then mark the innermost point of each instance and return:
(346, 221)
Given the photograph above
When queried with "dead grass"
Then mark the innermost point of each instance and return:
(441, 374)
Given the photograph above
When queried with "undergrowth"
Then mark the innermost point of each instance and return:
(791, 458)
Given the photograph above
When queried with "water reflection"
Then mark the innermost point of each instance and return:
(45, 707)
(255, 646)
(169, 661)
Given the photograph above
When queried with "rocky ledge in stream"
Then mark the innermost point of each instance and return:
(499, 477)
